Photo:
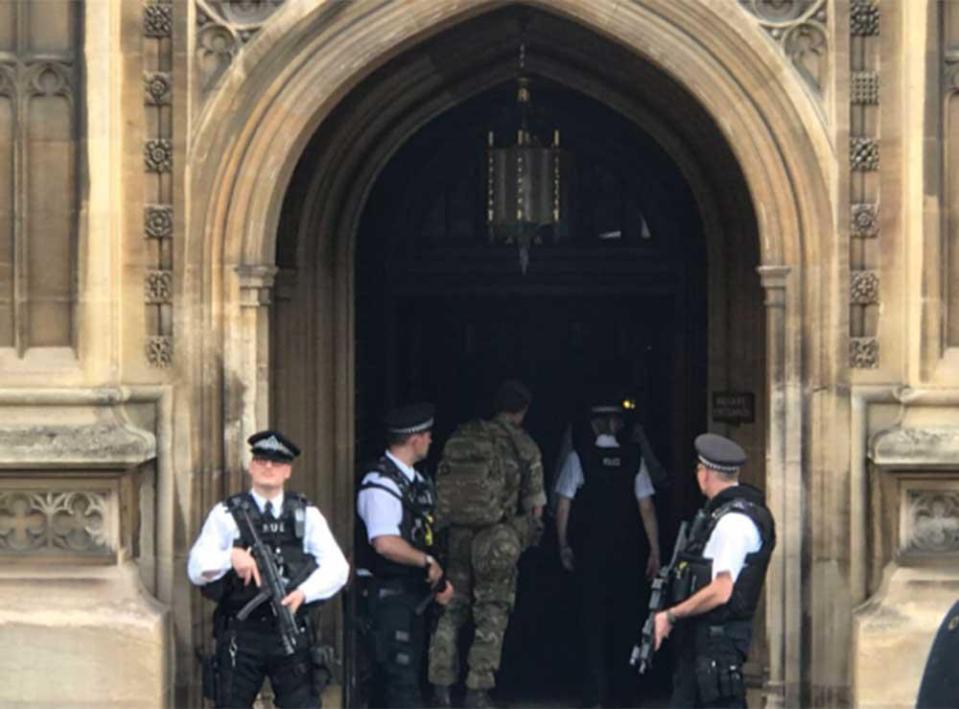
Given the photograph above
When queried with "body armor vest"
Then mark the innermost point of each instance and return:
(416, 526)
(693, 571)
(604, 514)
(284, 537)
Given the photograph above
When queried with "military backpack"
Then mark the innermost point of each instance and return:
(471, 478)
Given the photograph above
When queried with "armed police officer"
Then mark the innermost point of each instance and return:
(395, 506)
(604, 507)
(717, 580)
(251, 641)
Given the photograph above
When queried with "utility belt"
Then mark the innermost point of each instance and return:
(719, 651)
(218, 668)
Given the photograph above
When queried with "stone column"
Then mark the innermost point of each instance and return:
(783, 490)
(248, 380)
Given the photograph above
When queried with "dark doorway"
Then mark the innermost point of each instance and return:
(444, 315)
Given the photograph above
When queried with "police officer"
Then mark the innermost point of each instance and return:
(221, 564)
(604, 505)
(395, 507)
(940, 681)
(717, 581)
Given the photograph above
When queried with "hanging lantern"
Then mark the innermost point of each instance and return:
(525, 182)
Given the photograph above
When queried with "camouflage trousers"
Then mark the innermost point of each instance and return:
(482, 568)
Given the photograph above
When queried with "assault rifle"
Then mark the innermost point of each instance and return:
(642, 655)
(273, 589)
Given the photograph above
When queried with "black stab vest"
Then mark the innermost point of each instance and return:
(284, 537)
(604, 514)
(416, 526)
(693, 571)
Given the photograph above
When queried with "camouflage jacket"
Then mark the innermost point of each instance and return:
(523, 465)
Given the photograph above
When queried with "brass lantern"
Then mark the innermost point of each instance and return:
(525, 182)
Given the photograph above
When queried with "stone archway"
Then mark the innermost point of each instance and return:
(255, 129)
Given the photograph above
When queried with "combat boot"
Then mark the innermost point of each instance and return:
(477, 699)
(441, 696)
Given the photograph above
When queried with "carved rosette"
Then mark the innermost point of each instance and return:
(799, 27)
(158, 155)
(34, 522)
(863, 352)
(158, 221)
(932, 523)
(223, 27)
(159, 287)
(864, 154)
(157, 86)
(864, 287)
(864, 18)
(158, 20)
(160, 351)
(865, 220)
(865, 88)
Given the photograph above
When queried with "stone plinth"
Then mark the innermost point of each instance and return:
(83, 636)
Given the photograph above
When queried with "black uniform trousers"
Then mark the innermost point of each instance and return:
(610, 614)
(249, 652)
(686, 684)
(398, 637)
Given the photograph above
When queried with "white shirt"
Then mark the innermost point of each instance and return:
(571, 477)
(733, 537)
(380, 511)
(212, 550)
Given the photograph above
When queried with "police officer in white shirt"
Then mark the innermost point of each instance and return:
(718, 580)
(604, 507)
(395, 508)
(221, 564)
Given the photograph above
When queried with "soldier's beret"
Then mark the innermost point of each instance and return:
(719, 453)
(412, 418)
(272, 445)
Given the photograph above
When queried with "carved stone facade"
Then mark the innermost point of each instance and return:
(158, 159)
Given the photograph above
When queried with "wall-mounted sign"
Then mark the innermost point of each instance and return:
(734, 406)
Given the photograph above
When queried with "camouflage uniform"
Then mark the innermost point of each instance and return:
(481, 565)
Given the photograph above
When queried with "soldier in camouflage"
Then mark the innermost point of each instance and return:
(482, 560)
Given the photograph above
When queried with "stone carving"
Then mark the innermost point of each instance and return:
(799, 27)
(159, 287)
(223, 27)
(157, 87)
(158, 155)
(864, 287)
(864, 154)
(932, 521)
(865, 220)
(37, 522)
(158, 20)
(864, 90)
(158, 221)
(864, 18)
(48, 79)
(160, 351)
(863, 352)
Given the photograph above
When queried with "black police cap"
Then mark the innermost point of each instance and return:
(272, 445)
(720, 453)
(413, 418)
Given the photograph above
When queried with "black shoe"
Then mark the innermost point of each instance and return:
(477, 699)
(441, 696)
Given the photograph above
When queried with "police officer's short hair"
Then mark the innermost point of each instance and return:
(512, 397)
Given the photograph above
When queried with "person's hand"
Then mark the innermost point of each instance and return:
(661, 629)
(245, 565)
(652, 565)
(434, 572)
(294, 599)
(567, 558)
(446, 595)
